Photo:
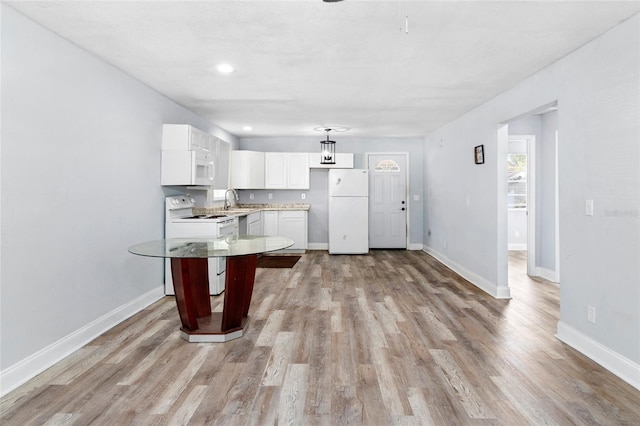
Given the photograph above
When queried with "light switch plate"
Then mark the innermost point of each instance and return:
(588, 207)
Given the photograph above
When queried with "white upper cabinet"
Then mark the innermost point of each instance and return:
(181, 137)
(275, 173)
(193, 157)
(247, 170)
(286, 170)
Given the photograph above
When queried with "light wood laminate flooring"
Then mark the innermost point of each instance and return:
(392, 337)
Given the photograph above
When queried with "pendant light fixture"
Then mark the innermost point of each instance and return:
(327, 150)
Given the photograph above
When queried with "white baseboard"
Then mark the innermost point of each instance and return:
(318, 246)
(547, 274)
(517, 246)
(28, 368)
(325, 246)
(619, 365)
(475, 279)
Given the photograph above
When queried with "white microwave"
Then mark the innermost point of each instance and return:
(187, 168)
(203, 169)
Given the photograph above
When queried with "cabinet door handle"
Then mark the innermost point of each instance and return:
(403, 209)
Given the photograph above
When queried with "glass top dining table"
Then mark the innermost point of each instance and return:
(189, 270)
(204, 247)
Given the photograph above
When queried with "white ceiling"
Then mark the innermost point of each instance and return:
(304, 64)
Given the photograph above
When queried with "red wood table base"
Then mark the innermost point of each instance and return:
(191, 284)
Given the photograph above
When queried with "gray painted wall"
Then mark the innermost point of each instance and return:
(598, 97)
(80, 184)
(317, 194)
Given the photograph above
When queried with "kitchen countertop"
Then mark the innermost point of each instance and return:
(246, 209)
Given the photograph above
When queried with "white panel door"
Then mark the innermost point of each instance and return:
(387, 201)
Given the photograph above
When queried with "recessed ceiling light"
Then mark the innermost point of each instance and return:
(225, 68)
(247, 128)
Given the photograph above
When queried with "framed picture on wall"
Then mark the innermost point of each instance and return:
(478, 152)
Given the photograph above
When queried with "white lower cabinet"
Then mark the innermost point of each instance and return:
(287, 223)
(270, 222)
(254, 224)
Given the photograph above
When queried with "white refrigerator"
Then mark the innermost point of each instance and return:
(348, 211)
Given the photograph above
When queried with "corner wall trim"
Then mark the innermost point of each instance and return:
(619, 365)
(26, 369)
(499, 292)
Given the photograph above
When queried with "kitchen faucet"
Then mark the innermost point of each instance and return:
(226, 204)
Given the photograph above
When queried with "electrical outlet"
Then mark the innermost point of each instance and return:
(270, 196)
(251, 196)
(591, 314)
(303, 196)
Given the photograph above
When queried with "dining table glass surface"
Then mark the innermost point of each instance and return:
(204, 247)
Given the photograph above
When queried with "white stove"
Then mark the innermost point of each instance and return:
(180, 222)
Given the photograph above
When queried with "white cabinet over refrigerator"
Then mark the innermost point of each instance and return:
(286, 170)
(348, 211)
